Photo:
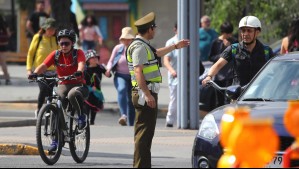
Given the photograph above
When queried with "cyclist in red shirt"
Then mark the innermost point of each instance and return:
(68, 61)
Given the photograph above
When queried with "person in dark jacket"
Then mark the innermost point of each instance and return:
(93, 77)
(248, 56)
(224, 77)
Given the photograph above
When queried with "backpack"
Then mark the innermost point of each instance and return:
(57, 55)
(234, 52)
(266, 50)
(40, 37)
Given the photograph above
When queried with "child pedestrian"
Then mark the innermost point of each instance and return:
(93, 76)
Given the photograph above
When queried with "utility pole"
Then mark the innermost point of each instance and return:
(188, 65)
(61, 12)
(13, 41)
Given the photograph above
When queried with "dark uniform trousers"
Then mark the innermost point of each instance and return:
(145, 124)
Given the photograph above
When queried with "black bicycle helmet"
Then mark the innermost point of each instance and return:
(91, 54)
(68, 34)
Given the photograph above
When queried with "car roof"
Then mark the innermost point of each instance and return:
(288, 56)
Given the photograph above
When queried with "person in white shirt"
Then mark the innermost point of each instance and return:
(170, 62)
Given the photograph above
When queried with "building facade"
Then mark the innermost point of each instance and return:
(112, 16)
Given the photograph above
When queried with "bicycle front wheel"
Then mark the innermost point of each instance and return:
(47, 131)
(80, 140)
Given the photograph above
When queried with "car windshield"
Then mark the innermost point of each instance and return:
(279, 81)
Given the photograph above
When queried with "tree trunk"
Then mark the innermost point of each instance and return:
(61, 12)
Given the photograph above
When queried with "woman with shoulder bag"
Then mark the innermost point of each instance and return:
(122, 79)
(4, 40)
(43, 43)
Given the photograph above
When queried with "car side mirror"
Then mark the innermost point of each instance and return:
(233, 92)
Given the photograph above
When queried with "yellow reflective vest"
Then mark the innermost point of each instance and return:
(151, 70)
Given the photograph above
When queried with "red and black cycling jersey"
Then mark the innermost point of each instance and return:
(70, 68)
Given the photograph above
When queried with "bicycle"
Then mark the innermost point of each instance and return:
(59, 124)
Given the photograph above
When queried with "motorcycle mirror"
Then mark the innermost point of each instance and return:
(233, 92)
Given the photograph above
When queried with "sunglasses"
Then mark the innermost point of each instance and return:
(153, 26)
(66, 44)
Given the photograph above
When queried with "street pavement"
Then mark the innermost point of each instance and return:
(112, 146)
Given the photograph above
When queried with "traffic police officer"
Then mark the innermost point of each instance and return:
(146, 76)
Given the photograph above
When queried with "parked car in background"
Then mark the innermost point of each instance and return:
(267, 96)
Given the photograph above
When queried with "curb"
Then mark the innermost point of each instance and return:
(18, 123)
(18, 149)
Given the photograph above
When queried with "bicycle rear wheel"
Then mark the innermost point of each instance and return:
(80, 140)
(47, 130)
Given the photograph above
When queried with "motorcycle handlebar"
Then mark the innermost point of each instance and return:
(212, 83)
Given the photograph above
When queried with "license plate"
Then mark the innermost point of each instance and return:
(276, 162)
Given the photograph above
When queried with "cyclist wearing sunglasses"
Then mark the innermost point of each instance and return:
(68, 61)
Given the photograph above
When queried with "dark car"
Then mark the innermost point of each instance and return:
(267, 95)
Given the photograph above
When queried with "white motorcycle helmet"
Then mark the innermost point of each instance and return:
(250, 21)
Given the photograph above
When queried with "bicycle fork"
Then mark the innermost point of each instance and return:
(62, 122)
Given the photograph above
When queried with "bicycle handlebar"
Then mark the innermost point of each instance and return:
(57, 79)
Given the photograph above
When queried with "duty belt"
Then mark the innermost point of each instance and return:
(154, 87)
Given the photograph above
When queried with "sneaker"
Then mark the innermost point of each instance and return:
(123, 121)
(82, 122)
(53, 146)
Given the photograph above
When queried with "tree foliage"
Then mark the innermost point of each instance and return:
(275, 15)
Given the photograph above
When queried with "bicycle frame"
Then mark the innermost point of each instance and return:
(57, 102)
(60, 127)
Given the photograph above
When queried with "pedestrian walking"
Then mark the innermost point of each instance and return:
(122, 79)
(90, 33)
(248, 56)
(43, 43)
(206, 36)
(4, 40)
(291, 42)
(170, 62)
(93, 77)
(146, 79)
(36, 20)
(224, 77)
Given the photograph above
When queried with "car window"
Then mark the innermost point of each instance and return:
(279, 81)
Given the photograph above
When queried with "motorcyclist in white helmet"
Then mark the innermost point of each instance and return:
(248, 56)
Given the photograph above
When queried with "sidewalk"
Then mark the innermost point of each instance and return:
(22, 91)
